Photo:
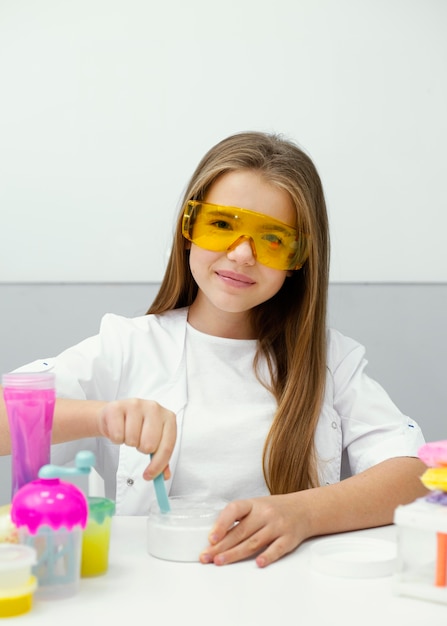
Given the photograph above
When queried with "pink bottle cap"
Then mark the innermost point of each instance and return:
(49, 502)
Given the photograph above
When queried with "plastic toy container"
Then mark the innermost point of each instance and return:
(182, 533)
(50, 516)
(17, 585)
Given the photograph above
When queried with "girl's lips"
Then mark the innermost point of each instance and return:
(235, 279)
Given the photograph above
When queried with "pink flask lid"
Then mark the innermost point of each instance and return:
(49, 501)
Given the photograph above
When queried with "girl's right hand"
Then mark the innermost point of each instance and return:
(144, 425)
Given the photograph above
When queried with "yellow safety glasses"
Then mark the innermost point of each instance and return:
(223, 228)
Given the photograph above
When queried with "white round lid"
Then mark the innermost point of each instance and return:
(354, 558)
(16, 556)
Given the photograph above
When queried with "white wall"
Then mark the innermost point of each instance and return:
(106, 107)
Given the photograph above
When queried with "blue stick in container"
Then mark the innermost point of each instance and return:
(160, 492)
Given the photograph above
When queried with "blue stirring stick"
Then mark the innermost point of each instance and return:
(160, 492)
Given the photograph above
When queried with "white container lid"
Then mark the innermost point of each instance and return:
(354, 558)
(422, 514)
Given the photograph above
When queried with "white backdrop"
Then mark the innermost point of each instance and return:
(106, 106)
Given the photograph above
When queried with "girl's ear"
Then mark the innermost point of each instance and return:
(187, 245)
(289, 273)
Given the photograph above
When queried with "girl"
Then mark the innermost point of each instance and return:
(232, 381)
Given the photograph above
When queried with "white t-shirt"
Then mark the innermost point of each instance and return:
(222, 441)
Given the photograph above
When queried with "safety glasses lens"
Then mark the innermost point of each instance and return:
(217, 228)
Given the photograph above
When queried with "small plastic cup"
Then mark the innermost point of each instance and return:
(17, 585)
(96, 537)
(182, 533)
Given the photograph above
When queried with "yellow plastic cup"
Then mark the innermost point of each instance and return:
(96, 537)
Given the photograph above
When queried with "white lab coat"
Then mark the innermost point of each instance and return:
(145, 357)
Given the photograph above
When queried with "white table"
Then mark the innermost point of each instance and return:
(141, 590)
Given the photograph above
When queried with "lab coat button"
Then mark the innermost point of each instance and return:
(130, 482)
(334, 424)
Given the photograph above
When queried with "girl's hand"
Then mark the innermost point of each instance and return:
(269, 527)
(144, 425)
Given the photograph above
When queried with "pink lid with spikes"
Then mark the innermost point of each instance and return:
(49, 502)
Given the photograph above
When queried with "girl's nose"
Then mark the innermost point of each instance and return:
(243, 251)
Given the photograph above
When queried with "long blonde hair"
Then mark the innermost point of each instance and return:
(291, 326)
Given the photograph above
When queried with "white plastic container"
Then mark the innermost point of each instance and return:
(16, 562)
(181, 534)
(17, 585)
(422, 545)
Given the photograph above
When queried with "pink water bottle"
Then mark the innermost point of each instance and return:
(29, 400)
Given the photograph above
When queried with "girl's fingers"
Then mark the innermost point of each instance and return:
(159, 443)
(133, 424)
(228, 520)
(274, 552)
(253, 544)
(144, 425)
(111, 422)
(262, 527)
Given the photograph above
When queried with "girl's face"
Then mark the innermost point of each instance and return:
(231, 283)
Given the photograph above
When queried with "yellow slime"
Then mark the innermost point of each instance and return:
(95, 548)
(435, 478)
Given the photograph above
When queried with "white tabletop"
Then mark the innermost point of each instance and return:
(140, 589)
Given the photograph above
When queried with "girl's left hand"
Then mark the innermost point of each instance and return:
(270, 527)
(273, 526)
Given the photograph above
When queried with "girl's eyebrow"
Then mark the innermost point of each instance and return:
(278, 227)
(227, 212)
(222, 213)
